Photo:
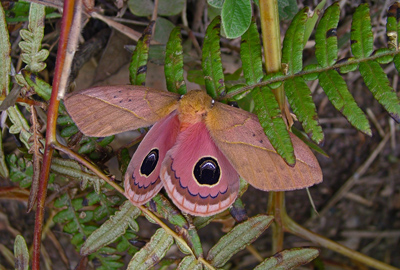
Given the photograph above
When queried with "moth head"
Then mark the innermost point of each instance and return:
(194, 106)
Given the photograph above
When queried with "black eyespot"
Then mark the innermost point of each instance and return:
(207, 171)
(150, 162)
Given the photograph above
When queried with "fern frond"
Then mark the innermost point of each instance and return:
(297, 91)
(32, 54)
(211, 60)
(173, 67)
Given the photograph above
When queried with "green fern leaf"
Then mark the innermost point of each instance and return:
(153, 252)
(111, 229)
(211, 60)
(326, 37)
(289, 259)
(237, 239)
(361, 34)
(336, 90)
(270, 117)
(299, 96)
(393, 31)
(378, 83)
(167, 210)
(393, 26)
(250, 53)
(312, 20)
(173, 68)
(292, 52)
(190, 263)
(138, 65)
(5, 59)
(32, 54)
(21, 253)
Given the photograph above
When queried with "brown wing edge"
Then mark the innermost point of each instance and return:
(96, 115)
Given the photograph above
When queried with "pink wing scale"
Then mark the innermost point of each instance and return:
(140, 188)
(177, 174)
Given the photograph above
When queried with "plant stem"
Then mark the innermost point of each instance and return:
(294, 228)
(276, 200)
(51, 130)
(272, 53)
(271, 37)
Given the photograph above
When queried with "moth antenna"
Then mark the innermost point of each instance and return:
(311, 201)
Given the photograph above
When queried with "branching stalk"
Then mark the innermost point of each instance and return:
(68, 13)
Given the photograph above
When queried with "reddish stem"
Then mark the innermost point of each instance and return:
(51, 130)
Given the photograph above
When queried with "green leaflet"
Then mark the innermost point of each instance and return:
(73, 169)
(153, 252)
(21, 254)
(216, 3)
(3, 165)
(236, 17)
(326, 36)
(42, 88)
(144, 8)
(302, 136)
(20, 125)
(393, 31)
(138, 65)
(5, 59)
(123, 160)
(168, 211)
(32, 54)
(19, 171)
(250, 53)
(396, 61)
(378, 83)
(162, 31)
(269, 114)
(111, 229)
(361, 33)
(312, 21)
(237, 239)
(190, 263)
(69, 130)
(173, 67)
(194, 242)
(201, 222)
(392, 26)
(336, 90)
(289, 259)
(300, 100)
(287, 9)
(292, 52)
(211, 60)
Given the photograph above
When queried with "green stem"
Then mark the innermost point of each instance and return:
(276, 202)
(272, 52)
(310, 71)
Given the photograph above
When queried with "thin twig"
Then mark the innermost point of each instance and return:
(302, 232)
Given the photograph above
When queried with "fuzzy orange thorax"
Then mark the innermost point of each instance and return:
(193, 108)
